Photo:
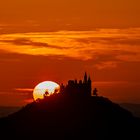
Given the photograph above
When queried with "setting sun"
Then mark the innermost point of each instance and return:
(45, 88)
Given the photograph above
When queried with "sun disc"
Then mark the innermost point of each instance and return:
(45, 88)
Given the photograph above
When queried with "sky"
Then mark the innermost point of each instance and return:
(59, 40)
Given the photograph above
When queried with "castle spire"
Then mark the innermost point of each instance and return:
(85, 78)
(89, 79)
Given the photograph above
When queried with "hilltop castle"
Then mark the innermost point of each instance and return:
(78, 88)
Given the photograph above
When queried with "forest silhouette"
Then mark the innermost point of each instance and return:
(71, 114)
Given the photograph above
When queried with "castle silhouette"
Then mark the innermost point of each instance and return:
(81, 88)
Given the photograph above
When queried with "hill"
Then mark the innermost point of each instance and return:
(7, 110)
(66, 117)
(134, 108)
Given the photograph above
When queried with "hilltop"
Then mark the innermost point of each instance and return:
(64, 117)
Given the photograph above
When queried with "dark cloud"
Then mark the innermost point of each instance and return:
(27, 41)
(111, 40)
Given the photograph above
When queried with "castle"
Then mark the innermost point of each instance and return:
(79, 88)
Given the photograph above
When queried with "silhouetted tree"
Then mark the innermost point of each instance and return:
(46, 94)
(95, 92)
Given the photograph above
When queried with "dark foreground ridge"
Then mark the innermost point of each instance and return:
(63, 117)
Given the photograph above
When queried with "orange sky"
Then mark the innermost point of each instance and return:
(60, 40)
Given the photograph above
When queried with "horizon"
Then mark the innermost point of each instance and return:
(59, 40)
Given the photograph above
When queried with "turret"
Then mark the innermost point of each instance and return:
(85, 78)
(89, 80)
(89, 87)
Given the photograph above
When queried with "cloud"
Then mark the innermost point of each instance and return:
(106, 64)
(24, 89)
(28, 42)
(106, 45)
(111, 40)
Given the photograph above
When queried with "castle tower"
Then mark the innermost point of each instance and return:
(89, 80)
(85, 78)
(89, 86)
